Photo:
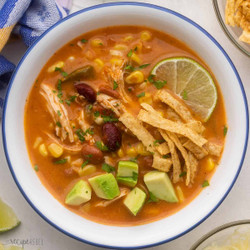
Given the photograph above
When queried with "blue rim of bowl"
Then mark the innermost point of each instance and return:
(105, 6)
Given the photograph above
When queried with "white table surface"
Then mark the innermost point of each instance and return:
(38, 234)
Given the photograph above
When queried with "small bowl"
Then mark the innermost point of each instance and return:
(233, 33)
(168, 228)
(222, 234)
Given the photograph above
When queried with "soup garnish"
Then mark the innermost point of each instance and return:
(125, 125)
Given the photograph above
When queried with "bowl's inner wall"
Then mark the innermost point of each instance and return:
(160, 230)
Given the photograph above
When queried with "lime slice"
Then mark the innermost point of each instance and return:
(190, 81)
(8, 219)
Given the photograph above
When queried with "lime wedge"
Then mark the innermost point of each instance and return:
(8, 219)
(191, 82)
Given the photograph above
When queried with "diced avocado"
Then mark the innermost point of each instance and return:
(159, 184)
(127, 173)
(135, 200)
(105, 186)
(79, 194)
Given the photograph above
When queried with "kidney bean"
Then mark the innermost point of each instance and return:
(112, 137)
(86, 91)
(108, 91)
(92, 154)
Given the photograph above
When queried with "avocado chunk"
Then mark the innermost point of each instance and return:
(127, 173)
(159, 184)
(79, 194)
(105, 186)
(135, 200)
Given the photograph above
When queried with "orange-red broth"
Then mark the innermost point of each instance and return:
(59, 179)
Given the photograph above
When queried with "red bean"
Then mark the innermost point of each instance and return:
(86, 91)
(112, 137)
(108, 91)
(92, 154)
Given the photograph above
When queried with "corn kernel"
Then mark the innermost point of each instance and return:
(116, 61)
(55, 150)
(89, 55)
(145, 36)
(147, 99)
(76, 137)
(37, 142)
(135, 77)
(68, 158)
(131, 152)
(121, 47)
(210, 164)
(99, 120)
(143, 85)
(136, 58)
(141, 150)
(180, 194)
(87, 170)
(99, 62)
(52, 68)
(42, 150)
(113, 155)
(128, 38)
(96, 43)
(120, 153)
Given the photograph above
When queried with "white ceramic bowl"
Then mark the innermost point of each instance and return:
(125, 14)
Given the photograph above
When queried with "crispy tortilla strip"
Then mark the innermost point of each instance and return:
(184, 153)
(194, 166)
(229, 12)
(135, 126)
(245, 36)
(165, 124)
(213, 148)
(175, 104)
(163, 148)
(160, 163)
(199, 152)
(172, 115)
(196, 126)
(175, 158)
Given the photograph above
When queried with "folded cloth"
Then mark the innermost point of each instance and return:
(28, 18)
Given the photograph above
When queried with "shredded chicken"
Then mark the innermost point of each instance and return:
(124, 191)
(115, 73)
(109, 102)
(58, 113)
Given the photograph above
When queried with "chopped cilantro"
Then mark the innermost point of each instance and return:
(89, 156)
(89, 131)
(58, 124)
(184, 173)
(205, 183)
(89, 107)
(84, 164)
(63, 73)
(61, 161)
(166, 156)
(54, 91)
(133, 159)
(109, 118)
(36, 168)
(141, 94)
(144, 66)
(107, 168)
(80, 135)
(152, 198)
(225, 130)
(101, 146)
(115, 85)
(59, 113)
(184, 95)
(84, 40)
(59, 85)
(157, 142)
(151, 78)
(129, 67)
(135, 176)
(71, 99)
(101, 44)
(96, 113)
(159, 84)
(130, 89)
(130, 53)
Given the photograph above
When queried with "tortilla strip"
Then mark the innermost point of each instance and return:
(196, 126)
(175, 104)
(229, 12)
(183, 151)
(161, 163)
(172, 115)
(199, 152)
(135, 126)
(163, 148)
(213, 148)
(165, 124)
(194, 166)
(175, 158)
